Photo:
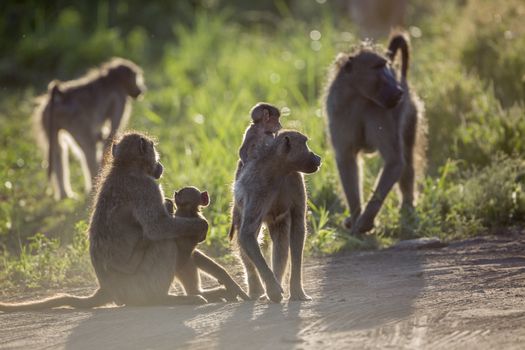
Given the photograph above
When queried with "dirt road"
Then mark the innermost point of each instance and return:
(468, 295)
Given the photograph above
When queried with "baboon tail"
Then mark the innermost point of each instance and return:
(99, 298)
(52, 134)
(400, 41)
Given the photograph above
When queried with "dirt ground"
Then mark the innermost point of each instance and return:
(468, 295)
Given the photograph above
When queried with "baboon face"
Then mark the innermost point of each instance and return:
(138, 151)
(372, 76)
(130, 78)
(292, 146)
(191, 198)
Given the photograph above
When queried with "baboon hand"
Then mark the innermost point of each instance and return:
(202, 226)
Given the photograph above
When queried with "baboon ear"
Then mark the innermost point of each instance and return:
(205, 199)
(143, 146)
(348, 64)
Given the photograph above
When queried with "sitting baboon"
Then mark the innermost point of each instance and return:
(129, 219)
(370, 109)
(188, 201)
(74, 115)
(271, 190)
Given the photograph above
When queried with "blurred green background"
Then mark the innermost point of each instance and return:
(206, 62)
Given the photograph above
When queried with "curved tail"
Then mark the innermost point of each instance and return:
(400, 41)
(99, 298)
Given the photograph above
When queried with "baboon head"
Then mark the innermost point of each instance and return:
(128, 75)
(137, 151)
(191, 198)
(267, 115)
(371, 75)
(294, 153)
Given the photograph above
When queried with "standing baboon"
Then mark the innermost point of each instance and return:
(74, 114)
(368, 109)
(130, 218)
(271, 190)
(257, 138)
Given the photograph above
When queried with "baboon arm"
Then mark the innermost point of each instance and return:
(209, 266)
(151, 213)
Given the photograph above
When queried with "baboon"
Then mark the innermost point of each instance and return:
(130, 218)
(190, 260)
(75, 114)
(370, 108)
(257, 137)
(271, 190)
(265, 123)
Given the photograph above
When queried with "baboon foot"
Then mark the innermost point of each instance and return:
(255, 288)
(275, 292)
(194, 300)
(299, 295)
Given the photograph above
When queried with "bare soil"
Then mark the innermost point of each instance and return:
(468, 295)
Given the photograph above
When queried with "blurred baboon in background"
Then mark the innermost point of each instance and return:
(75, 114)
(376, 18)
(370, 107)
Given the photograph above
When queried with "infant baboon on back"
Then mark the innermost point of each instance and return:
(73, 114)
(265, 123)
(370, 108)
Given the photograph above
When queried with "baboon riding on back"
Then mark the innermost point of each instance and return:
(370, 107)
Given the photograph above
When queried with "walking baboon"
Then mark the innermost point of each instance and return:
(130, 218)
(74, 115)
(370, 109)
(271, 190)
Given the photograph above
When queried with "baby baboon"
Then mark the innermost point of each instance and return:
(369, 109)
(261, 132)
(130, 218)
(256, 139)
(271, 190)
(189, 260)
(74, 114)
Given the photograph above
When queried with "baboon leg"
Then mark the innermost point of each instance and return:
(61, 168)
(390, 150)
(407, 181)
(348, 165)
(118, 115)
(88, 145)
(250, 227)
(297, 237)
(255, 287)
(209, 266)
(280, 234)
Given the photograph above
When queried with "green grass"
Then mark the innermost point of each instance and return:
(201, 87)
